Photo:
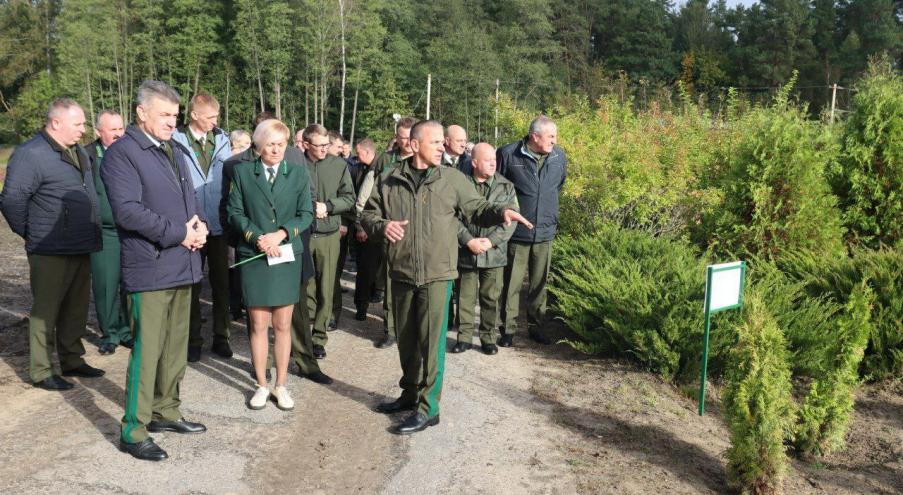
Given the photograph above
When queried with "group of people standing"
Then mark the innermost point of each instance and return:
(435, 230)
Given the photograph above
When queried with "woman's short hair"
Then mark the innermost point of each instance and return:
(268, 129)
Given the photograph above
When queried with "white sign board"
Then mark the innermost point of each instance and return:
(724, 289)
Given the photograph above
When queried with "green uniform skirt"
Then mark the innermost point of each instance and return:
(263, 285)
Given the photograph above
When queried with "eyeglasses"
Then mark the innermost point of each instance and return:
(320, 146)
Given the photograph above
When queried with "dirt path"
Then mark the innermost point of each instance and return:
(529, 420)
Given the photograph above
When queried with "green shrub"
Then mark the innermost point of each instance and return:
(805, 319)
(837, 277)
(869, 180)
(627, 293)
(770, 169)
(636, 170)
(825, 414)
(758, 406)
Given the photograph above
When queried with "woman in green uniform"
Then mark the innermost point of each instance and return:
(269, 206)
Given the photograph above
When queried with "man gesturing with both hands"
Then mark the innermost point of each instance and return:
(161, 227)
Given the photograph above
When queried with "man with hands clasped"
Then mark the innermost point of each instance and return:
(483, 255)
(161, 228)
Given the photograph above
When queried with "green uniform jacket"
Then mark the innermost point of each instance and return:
(429, 250)
(95, 155)
(254, 209)
(334, 187)
(500, 192)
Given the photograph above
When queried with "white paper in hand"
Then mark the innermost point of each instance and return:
(286, 255)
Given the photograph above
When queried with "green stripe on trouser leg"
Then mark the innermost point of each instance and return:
(433, 344)
(133, 378)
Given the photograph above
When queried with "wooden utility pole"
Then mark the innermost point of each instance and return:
(833, 100)
(496, 140)
(429, 85)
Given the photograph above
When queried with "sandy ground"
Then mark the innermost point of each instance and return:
(528, 420)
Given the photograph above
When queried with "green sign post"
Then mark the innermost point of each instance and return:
(723, 291)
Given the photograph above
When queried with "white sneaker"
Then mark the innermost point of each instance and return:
(283, 400)
(259, 401)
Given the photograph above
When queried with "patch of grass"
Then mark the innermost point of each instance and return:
(5, 152)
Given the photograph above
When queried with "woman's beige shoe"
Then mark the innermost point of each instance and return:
(283, 400)
(259, 401)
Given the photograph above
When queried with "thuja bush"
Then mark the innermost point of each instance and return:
(770, 169)
(836, 277)
(631, 169)
(626, 293)
(758, 405)
(869, 176)
(825, 414)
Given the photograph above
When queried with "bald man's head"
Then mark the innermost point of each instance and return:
(483, 161)
(455, 140)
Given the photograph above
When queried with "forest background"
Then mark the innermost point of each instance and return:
(352, 64)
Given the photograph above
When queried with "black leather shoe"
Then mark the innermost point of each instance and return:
(180, 426)
(54, 382)
(194, 353)
(377, 296)
(539, 336)
(333, 325)
(386, 342)
(460, 347)
(395, 406)
(489, 349)
(106, 348)
(361, 314)
(506, 340)
(127, 343)
(146, 450)
(85, 371)
(318, 377)
(416, 422)
(221, 348)
(319, 351)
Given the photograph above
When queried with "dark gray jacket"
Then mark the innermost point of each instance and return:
(151, 205)
(49, 201)
(537, 191)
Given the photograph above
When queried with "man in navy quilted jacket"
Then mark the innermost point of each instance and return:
(49, 200)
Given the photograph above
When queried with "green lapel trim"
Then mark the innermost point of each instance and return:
(262, 182)
(133, 381)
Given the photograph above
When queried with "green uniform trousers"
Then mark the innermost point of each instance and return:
(372, 274)
(421, 318)
(532, 260)
(159, 322)
(216, 253)
(302, 340)
(109, 300)
(60, 289)
(344, 245)
(324, 249)
(483, 285)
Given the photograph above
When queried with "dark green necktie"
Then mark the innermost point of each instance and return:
(271, 176)
(167, 148)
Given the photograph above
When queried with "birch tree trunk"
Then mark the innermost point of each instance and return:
(344, 70)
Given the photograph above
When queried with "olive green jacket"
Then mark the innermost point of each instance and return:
(334, 187)
(500, 192)
(254, 209)
(429, 250)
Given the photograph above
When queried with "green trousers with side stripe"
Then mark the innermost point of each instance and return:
(159, 323)
(421, 319)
